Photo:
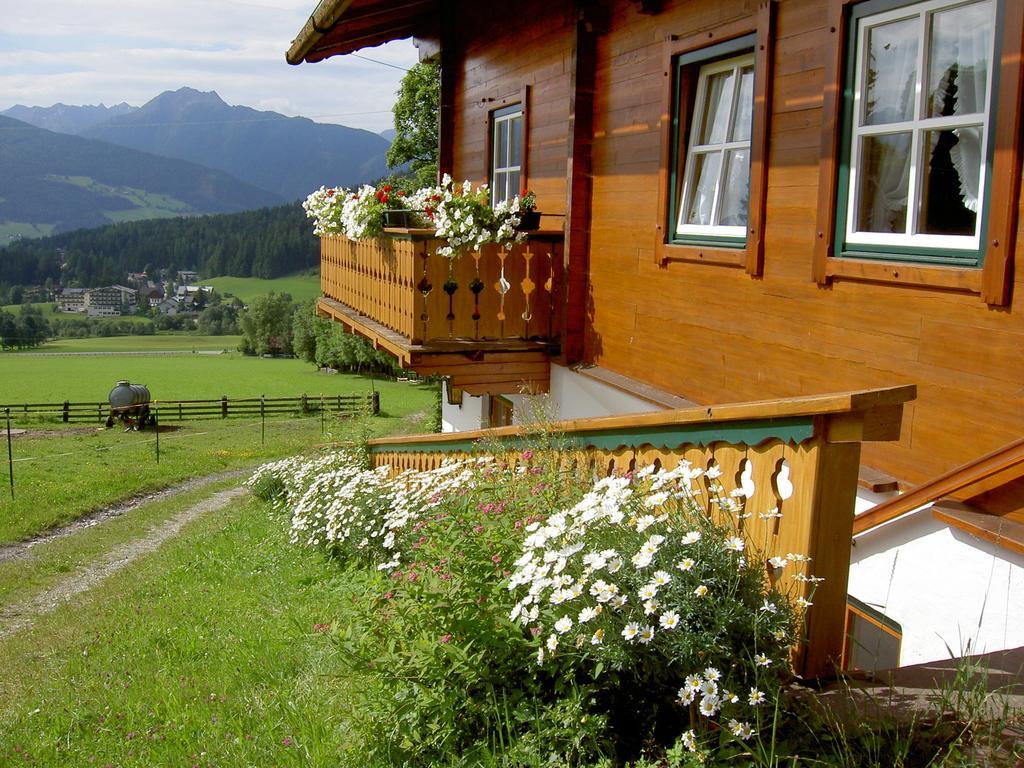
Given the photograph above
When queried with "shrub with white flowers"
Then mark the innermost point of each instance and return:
(640, 579)
(358, 214)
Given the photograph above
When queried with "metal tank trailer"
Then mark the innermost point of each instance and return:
(129, 403)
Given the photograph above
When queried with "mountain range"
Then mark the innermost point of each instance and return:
(183, 152)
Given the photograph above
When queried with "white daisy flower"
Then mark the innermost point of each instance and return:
(700, 591)
(563, 625)
(669, 620)
(756, 697)
(762, 660)
(646, 634)
(631, 630)
(709, 705)
(686, 564)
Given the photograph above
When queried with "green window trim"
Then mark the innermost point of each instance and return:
(691, 59)
(950, 257)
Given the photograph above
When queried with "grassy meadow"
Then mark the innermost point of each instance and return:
(301, 286)
(46, 379)
(159, 342)
(209, 652)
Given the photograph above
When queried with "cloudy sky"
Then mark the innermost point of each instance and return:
(109, 51)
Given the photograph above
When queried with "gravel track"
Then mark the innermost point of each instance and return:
(18, 616)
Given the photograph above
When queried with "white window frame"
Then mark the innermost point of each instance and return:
(917, 126)
(503, 165)
(693, 149)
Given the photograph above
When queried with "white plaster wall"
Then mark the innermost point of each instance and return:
(573, 396)
(944, 586)
(460, 418)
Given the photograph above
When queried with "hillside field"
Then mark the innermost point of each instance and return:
(54, 378)
(158, 342)
(301, 287)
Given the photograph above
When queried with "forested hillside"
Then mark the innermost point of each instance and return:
(267, 243)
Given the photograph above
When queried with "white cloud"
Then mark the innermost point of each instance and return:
(92, 51)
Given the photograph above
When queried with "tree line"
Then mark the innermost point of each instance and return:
(266, 243)
(273, 325)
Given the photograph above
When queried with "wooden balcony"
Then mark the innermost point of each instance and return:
(489, 321)
(802, 455)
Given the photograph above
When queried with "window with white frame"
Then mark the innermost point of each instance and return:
(715, 186)
(919, 93)
(506, 152)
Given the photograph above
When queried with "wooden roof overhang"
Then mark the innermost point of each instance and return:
(342, 26)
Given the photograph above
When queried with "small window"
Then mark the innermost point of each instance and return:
(499, 411)
(917, 131)
(506, 152)
(873, 640)
(715, 188)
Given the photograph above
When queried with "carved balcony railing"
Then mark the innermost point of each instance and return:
(798, 455)
(492, 314)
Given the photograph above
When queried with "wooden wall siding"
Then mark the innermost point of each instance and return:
(815, 442)
(501, 50)
(402, 284)
(713, 334)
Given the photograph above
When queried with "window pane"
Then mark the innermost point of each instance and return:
(501, 144)
(702, 195)
(515, 142)
(717, 105)
(500, 190)
(958, 62)
(736, 191)
(952, 170)
(883, 179)
(744, 106)
(890, 75)
(513, 185)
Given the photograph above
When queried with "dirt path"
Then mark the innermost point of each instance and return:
(20, 549)
(16, 617)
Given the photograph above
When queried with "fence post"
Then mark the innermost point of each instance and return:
(303, 404)
(321, 413)
(263, 421)
(66, 415)
(10, 453)
(179, 411)
(156, 425)
(223, 406)
(375, 409)
(99, 412)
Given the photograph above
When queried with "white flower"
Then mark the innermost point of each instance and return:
(768, 607)
(803, 602)
(712, 674)
(691, 538)
(650, 606)
(552, 642)
(648, 592)
(644, 523)
(686, 695)
(598, 637)
(661, 578)
(708, 688)
(713, 472)
(689, 739)
(669, 620)
(762, 660)
(709, 705)
(686, 564)
(700, 591)
(778, 562)
(734, 544)
(693, 682)
(631, 630)
(646, 634)
(587, 614)
(618, 601)
(540, 655)
(756, 697)
(563, 625)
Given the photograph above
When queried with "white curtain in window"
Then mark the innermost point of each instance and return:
(972, 46)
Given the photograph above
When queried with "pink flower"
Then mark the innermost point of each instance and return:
(478, 529)
(495, 559)
(445, 639)
(527, 455)
(287, 741)
(388, 595)
(412, 576)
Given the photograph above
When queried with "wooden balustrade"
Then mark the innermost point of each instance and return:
(400, 282)
(800, 454)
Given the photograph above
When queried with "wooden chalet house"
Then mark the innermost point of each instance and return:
(743, 200)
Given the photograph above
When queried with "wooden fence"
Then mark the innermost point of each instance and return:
(224, 407)
(801, 456)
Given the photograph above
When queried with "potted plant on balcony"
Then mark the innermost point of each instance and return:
(465, 219)
(529, 216)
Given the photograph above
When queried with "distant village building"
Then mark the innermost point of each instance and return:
(72, 300)
(111, 301)
(187, 276)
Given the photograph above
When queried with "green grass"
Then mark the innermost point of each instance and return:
(47, 563)
(65, 475)
(160, 342)
(51, 379)
(10, 230)
(202, 653)
(301, 287)
(46, 307)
